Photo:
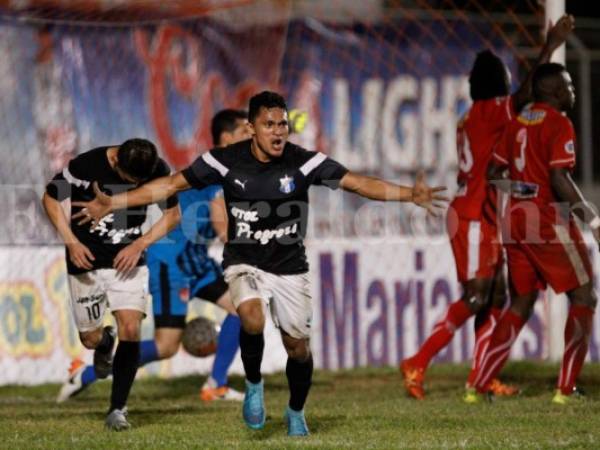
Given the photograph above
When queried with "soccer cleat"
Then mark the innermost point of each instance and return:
(254, 405)
(73, 385)
(296, 422)
(116, 420)
(472, 396)
(103, 361)
(211, 392)
(500, 389)
(413, 379)
(564, 399)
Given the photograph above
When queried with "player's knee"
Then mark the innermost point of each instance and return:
(90, 339)
(167, 349)
(129, 331)
(584, 296)
(297, 349)
(252, 317)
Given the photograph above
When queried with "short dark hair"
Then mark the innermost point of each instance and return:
(225, 120)
(266, 99)
(488, 77)
(138, 158)
(541, 74)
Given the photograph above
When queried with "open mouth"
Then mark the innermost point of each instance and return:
(277, 144)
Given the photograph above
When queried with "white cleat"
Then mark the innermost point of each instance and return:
(73, 385)
(116, 420)
(210, 392)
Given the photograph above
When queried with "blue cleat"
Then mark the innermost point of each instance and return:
(254, 405)
(296, 422)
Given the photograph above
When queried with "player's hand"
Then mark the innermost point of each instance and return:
(80, 255)
(558, 33)
(93, 210)
(127, 259)
(428, 197)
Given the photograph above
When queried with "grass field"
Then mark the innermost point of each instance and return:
(359, 409)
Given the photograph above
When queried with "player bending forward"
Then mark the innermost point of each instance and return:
(180, 270)
(105, 262)
(266, 181)
(472, 214)
(543, 243)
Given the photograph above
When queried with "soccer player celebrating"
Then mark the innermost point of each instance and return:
(471, 218)
(180, 269)
(105, 262)
(543, 243)
(266, 181)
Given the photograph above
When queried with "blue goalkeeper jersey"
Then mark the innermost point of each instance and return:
(187, 245)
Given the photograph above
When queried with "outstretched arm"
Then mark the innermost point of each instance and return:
(378, 189)
(152, 192)
(555, 37)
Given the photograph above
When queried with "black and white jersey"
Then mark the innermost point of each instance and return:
(117, 229)
(267, 203)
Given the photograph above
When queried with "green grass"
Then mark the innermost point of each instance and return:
(360, 409)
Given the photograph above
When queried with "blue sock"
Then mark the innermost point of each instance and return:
(88, 376)
(229, 342)
(148, 352)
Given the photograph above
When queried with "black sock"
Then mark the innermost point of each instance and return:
(106, 343)
(299, 375)
(125, 365)
(251, 350)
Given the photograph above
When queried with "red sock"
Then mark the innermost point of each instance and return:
(483, 335)
(457, 314)
(503, 337)
(577, 336)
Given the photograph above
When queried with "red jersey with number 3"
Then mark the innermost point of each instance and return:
(538, 140)
(476, 135)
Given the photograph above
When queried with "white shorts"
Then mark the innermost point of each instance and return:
(288, 296)
(93, 292)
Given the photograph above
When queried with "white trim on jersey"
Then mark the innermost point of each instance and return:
(561, 161)
(508, 108)
(312, 163)
(212, 162)
(499, 158)
(74, 180)
(473, 241)
(562, 233)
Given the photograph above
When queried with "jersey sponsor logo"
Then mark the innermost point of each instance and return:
(287, 184)
(242, 184)
(532, 116)
(264, 236)
(570, 146)
(116, 235)
(521, 189)
(90, 299)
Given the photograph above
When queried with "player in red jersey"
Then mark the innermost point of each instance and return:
(543, 243)
(471, 216)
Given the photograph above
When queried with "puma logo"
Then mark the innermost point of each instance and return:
(242, 184)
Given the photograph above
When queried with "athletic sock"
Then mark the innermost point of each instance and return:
(125, 365)
(483, 335)
(577, 336)
(251, 348)
(227, 347)
(299, 375)
(456, 315)
(106, 342)
(148, 352)
(503, 337)
(88, 376)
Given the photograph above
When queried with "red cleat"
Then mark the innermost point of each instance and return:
(499, 389)
(413, 379)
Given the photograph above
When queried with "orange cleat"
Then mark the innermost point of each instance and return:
(211, 392)
(413, 379)
(499, 389)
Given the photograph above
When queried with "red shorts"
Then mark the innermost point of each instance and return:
(476, 247)
(556, 255)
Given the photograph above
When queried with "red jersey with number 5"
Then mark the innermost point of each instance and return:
(476, 135)
(538, 139)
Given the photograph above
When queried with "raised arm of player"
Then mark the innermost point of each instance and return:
(377, 189)
(79, 254)
(152, 192)
(129, 256)
(555, 37)
(566, 190)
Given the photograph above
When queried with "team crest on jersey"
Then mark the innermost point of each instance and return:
(570, 146)
(287, 184)
(532, 116)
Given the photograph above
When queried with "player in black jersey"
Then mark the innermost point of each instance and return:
(105, 263)
(265, 182)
